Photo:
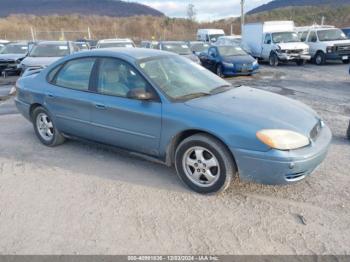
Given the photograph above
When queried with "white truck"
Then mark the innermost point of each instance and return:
(325, 43)
(275, 42)
(209, 35)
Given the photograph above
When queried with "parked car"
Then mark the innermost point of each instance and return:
(45, 53)
(83, 46)
(180, 48)
(149, 44)
(198, 122)
(276, 42)
(209, 35)
(229, 61)
(197, 47)
(233, 40)
(347, 32)
(90, 42)
(11, 56)
(326, 43)
(110, 43)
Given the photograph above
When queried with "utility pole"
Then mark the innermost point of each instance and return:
(242, 15)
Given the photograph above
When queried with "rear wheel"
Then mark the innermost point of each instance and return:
(346, 61)
(348, 133)
(204, 164)
(320, 58)
(273, 60)
(45, 128)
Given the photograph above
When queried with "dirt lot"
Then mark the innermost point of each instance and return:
(84, 199)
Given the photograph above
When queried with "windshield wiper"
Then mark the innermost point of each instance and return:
(221, 89)
(193, 96)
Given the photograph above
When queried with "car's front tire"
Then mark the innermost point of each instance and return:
(346, 61)
(204, 164)
(320, 58)
(45, 128)
(273, 60)
(219, 71)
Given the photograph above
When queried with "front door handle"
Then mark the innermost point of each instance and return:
(50, 95)
(100, 106)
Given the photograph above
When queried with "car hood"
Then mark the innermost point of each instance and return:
(39, 61)
(293, 46)
(338, 42)
(257, 109)
(11, 56)
(242, 59)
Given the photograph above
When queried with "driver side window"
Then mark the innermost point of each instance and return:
(313, 37)
(212, 52)
(118, 78)
(268, 39)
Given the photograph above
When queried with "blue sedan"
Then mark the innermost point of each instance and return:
(166, 107)
(229, 61)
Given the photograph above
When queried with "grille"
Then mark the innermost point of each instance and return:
(244, 67)
(295, 177)
(316, 130)
(296, 51)
(343, 49)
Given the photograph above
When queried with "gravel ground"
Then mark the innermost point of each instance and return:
(84, 199)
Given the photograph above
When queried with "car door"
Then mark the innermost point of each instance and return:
(266, 47)
(212, 58)
(312, 42)
(68, 98)
(118, 120)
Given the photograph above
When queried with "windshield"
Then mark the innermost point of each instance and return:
(50, 50)
(14, 49)
(116, 44)
(199, 47)
(331, 35)
(285, 37)
(195, 81)
(215, 37)
(178, 48)
(231, 51)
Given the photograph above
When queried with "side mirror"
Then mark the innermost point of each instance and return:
(140, 94)
(268, 42)
(213, 39)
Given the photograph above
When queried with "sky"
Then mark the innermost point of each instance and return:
(207, 10)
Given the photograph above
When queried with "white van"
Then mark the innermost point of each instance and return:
(117, 42)
(275, 41)
(209, 35)
(325, 43)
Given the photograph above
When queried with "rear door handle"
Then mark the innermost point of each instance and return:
(50, 95)
(100, 106)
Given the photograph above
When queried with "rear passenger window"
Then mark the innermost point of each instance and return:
(312, 37)
(76, 74)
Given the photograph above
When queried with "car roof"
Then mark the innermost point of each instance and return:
(130, 53)
(115, 40)
(52, 43)
(173, 42)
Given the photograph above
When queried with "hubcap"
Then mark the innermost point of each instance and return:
(219, 71)
(201, 166)
(318, 59)
(44, 126)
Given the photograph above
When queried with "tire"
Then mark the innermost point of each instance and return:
(273, 60)
(219, 71)
(348, 132)
(320, 58)
(346, 61)
(211, 158)
(47, 133)
(301, 62)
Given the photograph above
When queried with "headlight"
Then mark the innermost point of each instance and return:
(255, 63)
(330, 49)
(228, 64)
(282, 139)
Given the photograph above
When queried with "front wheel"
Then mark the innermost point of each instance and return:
(45, 128)
(348, 132)
(346, 61)
(320, 58)
(219, 71)
(301, 62)
(204, 164)
(273, 60)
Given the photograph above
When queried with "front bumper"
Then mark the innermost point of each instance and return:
(240, 70)
(293, 57)
(337, 56)
(277, 167)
